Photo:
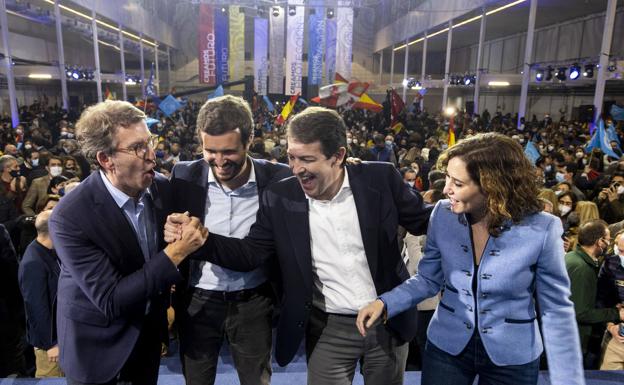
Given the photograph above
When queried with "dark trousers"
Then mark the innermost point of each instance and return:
(142, 366)
(245, 323)
(442, 368)
(334, 347)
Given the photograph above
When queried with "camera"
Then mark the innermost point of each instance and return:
(621, 330)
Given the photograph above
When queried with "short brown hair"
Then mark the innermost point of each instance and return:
(98, 124)
(503, 173)
(224, 114)
(319, 124)
(591, 232)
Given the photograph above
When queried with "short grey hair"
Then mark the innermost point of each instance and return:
(4, 160)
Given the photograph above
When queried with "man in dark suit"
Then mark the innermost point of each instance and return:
(38, 278)
(114, 282)
(333, 231)
(215, 304)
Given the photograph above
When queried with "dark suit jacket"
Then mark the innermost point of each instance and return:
(38, 278)
(383, 201)
(105, 282)
(189, 184)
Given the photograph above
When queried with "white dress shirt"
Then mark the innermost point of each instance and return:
(342, 279)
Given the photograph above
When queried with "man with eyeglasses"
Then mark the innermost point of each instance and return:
(583, 265)
(114, 281)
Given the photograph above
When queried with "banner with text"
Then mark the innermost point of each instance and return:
(276, 52)
(237, 44)
(261, 50)
(316, 40)
(206, 45)
(344, 46)
(330, 50)
(294, 51)
(221, 23)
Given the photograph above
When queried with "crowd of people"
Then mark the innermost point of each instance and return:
(43, 161)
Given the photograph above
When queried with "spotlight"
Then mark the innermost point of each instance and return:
(330, 13)
(75, 75)
(589, 71)
(292, 11)
(561, 73)
(276, 11)
(549, 73)
(223, 9)
(612, 66)
(68, 72)
(449, 111)
(539, 75)
(575, 71)
(470, 80)
(410, 83)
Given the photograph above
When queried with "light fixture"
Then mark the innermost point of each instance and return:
(330, 13)
(561, 73)
(40, 76)
(276, 11)
(449, 111)
(470, 80)
(292, 10)
(223, 9)
(589, 71)
(612, 66)
(497, 83)
(410, 83)
(575, 71)
(539, 75)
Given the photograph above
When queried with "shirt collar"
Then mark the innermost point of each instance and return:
(346, 186)
(251, 180)
(120, 197)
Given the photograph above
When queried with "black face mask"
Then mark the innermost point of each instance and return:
(14, 173)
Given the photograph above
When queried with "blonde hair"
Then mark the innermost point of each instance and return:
(550, 196)
(587, 211)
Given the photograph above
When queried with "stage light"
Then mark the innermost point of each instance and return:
(410, 83)
(292, 10)
(470, 80)
(276, 11)
(549, 73)
(589, 71)
(223, 9)
(75, 75)
(449, 111)
(330, 13)
(575, 71)
(539, 75)
(612, 66)
(495, 83)
(561, 73)
(40, 76)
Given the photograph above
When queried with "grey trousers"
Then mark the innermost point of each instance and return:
(334, 347)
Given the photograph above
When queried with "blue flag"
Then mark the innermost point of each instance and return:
(150, 89)
(617, 112)
(268, 103)
(169, 105)
(612, 135)
(531, 152)
(151, 121)
(303, 101)
(217, 92)
(601, 140)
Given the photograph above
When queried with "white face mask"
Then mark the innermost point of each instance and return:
(564, 210)
(550, 148)
(620, 190)
(56, 170)
(579, 155)
(282, 142)
(355, 141)
(349, 140)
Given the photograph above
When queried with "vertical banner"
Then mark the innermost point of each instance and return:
(330, 50)
(206, 45)
(316, 40)
(221, 24)
(294, 50)
(344, 46)
(261, 50)
(237, 44)
(276, 50)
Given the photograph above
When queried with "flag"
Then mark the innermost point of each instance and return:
(287, 109)
(217, 92)
(303, 101)
(268, 103)
(339, 79)
(108, 94)
(150, 122)
(600, 140)
(531, 152)
(169, 105)
(613, 136)
(617, 112)
(150, 89)
(366, 103)
(451, 132)
(396, 107)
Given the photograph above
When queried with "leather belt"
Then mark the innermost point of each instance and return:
(233, 296)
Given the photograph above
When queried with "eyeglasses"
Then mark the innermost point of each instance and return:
(141, 149)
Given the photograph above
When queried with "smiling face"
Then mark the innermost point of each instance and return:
(225, 153)
(464, 194)
(320, 177)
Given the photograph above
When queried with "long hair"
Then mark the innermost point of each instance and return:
(503, 173)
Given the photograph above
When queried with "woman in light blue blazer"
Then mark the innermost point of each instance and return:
(498, 259)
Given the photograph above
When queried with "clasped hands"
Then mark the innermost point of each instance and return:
(184, 234)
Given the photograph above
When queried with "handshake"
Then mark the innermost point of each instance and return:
(184, 235)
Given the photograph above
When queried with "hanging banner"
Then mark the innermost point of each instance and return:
(344, 46)
(294, 50)
(316, 41)
(330, 50)
(221, 23)
(206, 45)
(237, 44)
(276, 50)
(261, 50)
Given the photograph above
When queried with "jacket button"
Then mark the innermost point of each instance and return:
(300, 324)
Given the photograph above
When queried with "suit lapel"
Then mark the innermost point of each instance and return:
(297, 222)
(367, 206)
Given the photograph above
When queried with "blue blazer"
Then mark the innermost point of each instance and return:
(105, 282)
(282, 231)
(523, 264)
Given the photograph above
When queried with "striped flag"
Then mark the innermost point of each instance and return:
(287, 110)
(451, 132)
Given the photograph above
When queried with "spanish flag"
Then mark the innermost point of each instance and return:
(366, 103)
(451, 132)
(108, 95)
(287, 110)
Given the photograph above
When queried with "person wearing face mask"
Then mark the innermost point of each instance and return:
(611, 199)
(610, 294)
(582, 265)
(37, 194)
(381, 151)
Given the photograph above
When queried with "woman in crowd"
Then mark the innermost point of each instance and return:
(587, 211)
(567, 204)
(503, 255)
